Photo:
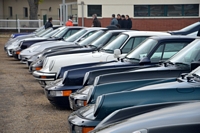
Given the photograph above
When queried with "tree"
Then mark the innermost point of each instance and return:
(33, 6)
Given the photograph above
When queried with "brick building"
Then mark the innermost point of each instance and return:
(146, 15)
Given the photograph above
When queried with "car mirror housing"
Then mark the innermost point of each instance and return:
(194, 65)
(145, 60)
(117, 53)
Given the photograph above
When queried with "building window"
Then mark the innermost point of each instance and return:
(94, 9)
(10, 11)
(166, 10)
(25, 12)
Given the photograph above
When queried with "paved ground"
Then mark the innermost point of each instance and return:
(23, 106)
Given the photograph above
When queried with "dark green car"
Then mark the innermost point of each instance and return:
(185, 88)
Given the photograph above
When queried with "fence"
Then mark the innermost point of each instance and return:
(23, 24)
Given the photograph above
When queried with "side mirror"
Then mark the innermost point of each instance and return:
(117, 53)
(194, 65)
(145, 60)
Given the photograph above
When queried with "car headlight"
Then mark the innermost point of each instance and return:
(86, 77)
(57, 74)
(45, 62)
(98, 104)
(141, 131)
(90, 93)
(96, 80)
(32, 48)
(60, 93)
(20, 44)
(65, 75)
(81, 103)
(78, 129)
(51, 65)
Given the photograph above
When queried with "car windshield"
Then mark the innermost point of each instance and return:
(101, 40)
(142, 50)
(190, 26)
(40, 32)
(188, 54)
(75, 36)
(115, 44)
(45, 32)
(52, 33)
(39, 29)
(91, 38)
(60, 33)
(194, 34)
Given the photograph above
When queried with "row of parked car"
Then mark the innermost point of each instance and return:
(115, 80)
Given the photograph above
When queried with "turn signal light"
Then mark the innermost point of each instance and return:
(17, 52)
(87, 129)
(67, 93)
(43, 77)
(38, 68)
(85, 103)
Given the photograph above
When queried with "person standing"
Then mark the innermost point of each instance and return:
(114, 20)
(96, 22)
(70, 21)
(123, 22)
(128, 22)
(119, 19)
(49, 23)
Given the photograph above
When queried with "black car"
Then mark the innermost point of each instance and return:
(153, 46)
(187, 30)
(56, 34)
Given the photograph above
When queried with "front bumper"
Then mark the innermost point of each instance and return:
(44, 76)
(73, 100)
(9, 52)
(76, 120)
(16, 55)
(57, 101)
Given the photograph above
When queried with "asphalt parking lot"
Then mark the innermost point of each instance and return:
(23, 105)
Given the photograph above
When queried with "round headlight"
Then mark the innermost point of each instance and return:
(45, 62)
(86, 77)
(51, 65)
(90, 93)
(96, 80)
(64, 76)
(98, 104)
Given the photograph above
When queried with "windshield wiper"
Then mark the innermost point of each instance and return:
(93, 46)
(133, 59)
(181, 63)
(107, 50)
(169, 62)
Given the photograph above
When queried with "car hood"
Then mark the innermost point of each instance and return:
(80, 58)
(34, 39)
(169, 85)
(169, 116)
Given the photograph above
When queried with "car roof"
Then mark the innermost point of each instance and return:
(114, 31)
(94, 28)
(161, 37)
(74, 27)
(145, 33)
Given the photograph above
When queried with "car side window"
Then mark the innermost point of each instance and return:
(167, 50)
(128, 46)
(132, 43)
(172, 48)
